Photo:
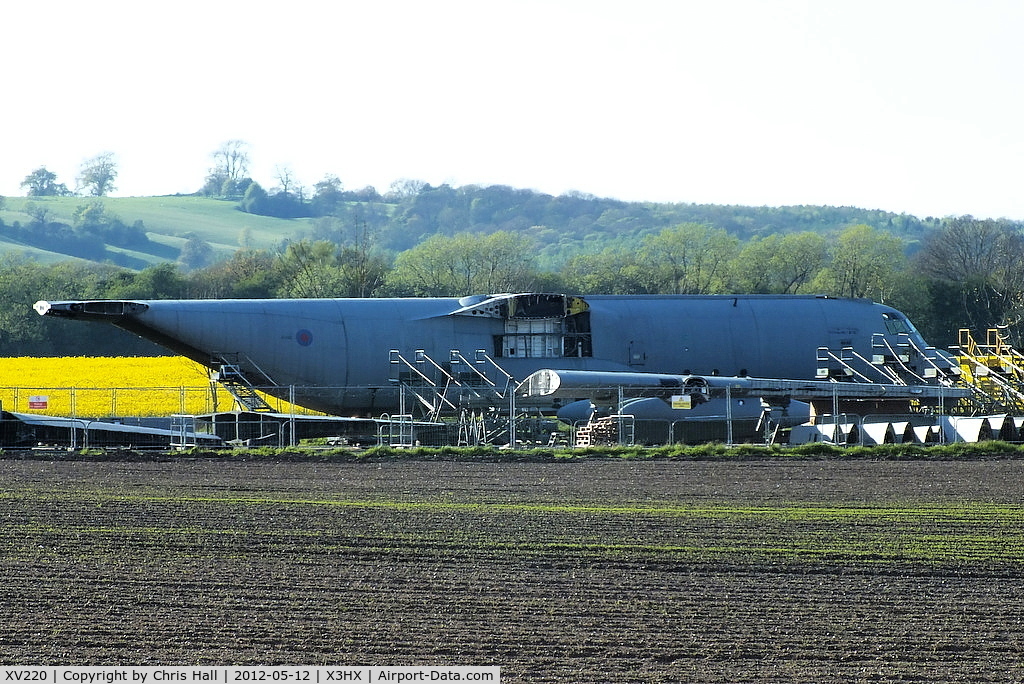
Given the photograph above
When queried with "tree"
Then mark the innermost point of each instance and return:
(245, 240)
(96, 175)
(312, 269)
(364, 273)
(366, 194)
(195, 253)
(799, 258)
(232, 159)
(465, 264)
(976, 270)
(91, 214)
(43, 183)
(256, 200)
(405, 188)
(230, 166)
(248, 274)
(327, 195)
(365, 268)
(160, 281)
(428, 269)
(40, 213)
(614, 270)
(754, 267)
(286, 179)
(688, 259)
(865, 262)
(779, 264)
(506, 264)
(288, 199)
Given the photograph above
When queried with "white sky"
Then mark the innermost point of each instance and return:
(913, 106)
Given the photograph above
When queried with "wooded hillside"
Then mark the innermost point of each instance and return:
(135, 232)
(419, 240)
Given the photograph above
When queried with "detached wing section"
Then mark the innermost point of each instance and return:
(599, 385)
(605, 385)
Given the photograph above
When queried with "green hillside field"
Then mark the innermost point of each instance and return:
(169, 220)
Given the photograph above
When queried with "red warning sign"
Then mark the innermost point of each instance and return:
(38, 401)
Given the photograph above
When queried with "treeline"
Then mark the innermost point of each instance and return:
(410, 212)
(967, 273)
(559, 226)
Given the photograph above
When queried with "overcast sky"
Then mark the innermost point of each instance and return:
(912, 106)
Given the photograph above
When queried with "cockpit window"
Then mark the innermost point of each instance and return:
(897, 324)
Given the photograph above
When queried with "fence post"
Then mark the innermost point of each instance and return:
(291, 415)
(728, 415)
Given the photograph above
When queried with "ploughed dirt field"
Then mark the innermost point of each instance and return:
(581, 571)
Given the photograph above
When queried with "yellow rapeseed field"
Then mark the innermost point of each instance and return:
(121, 386)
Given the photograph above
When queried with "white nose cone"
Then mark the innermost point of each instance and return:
(41, 307)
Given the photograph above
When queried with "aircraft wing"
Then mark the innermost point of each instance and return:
(601, 385)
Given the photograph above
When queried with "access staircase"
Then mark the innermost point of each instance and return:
(903, 364)
(448, 388)
(230, 375)
(994, 369)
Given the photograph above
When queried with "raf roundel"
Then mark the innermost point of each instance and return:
(304, 338)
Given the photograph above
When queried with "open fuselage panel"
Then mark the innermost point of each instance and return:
(538, 326)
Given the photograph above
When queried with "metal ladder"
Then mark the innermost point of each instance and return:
(231, 376)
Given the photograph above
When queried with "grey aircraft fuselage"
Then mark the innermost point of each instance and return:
(336, 354)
